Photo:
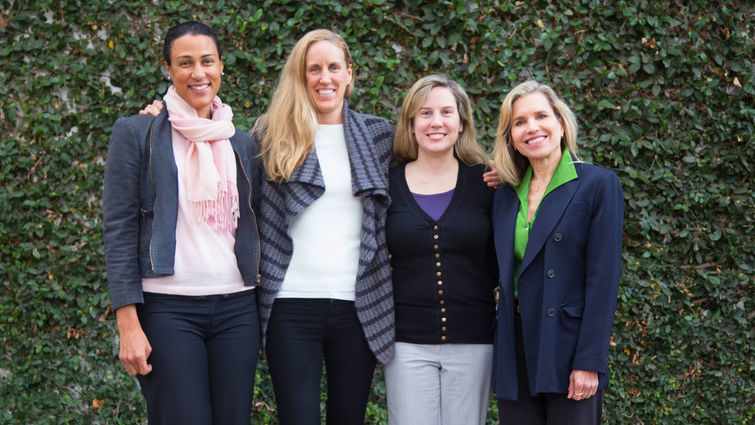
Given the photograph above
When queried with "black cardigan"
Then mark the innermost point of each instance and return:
(443, 271)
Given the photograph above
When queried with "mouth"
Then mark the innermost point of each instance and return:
(436, 136)
(535, 140)
(326, 92)
(199, 88)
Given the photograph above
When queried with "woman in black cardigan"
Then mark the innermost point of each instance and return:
(439, 238)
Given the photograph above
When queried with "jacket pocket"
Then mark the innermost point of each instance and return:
(573, 308)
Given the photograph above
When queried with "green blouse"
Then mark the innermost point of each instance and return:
(565, 172)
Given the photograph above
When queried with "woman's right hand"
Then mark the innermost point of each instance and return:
(134, 346)
(153, 109)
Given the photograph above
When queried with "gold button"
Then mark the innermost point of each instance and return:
(443, 338)
(437, 273)
(440, 282)
(435, 236)
(437, 255)
(437, 264)
(442, 302)
(440, 292)
(443, 319)
(442, 309)
(443, 328)
(435, 227)
(436, 247)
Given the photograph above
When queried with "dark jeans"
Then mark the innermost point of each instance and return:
(303, 332)
(545, 409)
(204, 355)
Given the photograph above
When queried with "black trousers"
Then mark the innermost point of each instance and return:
(204, 355)
(300, 335)
(545, 409)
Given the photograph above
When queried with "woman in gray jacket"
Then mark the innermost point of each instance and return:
(181, 243)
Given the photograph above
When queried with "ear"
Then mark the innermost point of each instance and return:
(166, 70)
(350, 72)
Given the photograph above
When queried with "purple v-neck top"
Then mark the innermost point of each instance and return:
(434, 205)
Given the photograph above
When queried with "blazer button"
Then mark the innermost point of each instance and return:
(551, 274)
(551, 312)
(557, 237)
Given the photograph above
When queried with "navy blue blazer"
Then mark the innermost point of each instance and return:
(568, 282)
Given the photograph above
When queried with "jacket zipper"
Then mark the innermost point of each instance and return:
(258, 278)
(154, 207)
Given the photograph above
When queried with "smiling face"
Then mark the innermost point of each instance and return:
(536, 131)
(437, 125)
(328, 76)
(195, 69)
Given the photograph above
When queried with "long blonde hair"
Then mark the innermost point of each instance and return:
(509, 163)
(287, 129)
(466, 148)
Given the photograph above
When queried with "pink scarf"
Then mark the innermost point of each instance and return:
(210, 171)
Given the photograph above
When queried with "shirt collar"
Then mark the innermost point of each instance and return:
(565, 172)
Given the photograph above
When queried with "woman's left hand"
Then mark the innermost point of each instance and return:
(583, 384)
(491, 177)
(153, 109)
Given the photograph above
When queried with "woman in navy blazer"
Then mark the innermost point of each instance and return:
(557, 227)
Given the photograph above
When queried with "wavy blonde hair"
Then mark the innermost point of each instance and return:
(466, 148)
(287, 129)
(509, 163)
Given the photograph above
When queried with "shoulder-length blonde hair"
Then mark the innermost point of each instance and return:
(509, 163)
(466, 148)
(287, 129)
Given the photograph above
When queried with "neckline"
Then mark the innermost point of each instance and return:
(418, 210)
(424, 195)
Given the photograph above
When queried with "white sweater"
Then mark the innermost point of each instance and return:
(326, 235)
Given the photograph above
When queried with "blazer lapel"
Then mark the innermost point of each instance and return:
(162, 160)
(551, 209)
(505, 208)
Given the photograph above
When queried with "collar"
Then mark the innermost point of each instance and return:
(565, 172)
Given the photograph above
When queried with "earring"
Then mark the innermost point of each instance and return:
(165, 73)
(222, 73)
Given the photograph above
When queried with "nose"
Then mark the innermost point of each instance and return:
(437, 120)
(531, 125)
(197, 72)
(325, 76)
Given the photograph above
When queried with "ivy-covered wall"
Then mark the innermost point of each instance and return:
(665, 97)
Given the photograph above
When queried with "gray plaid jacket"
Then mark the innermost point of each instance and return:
(369, 140)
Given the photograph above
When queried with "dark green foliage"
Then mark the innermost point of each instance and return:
(663, 91)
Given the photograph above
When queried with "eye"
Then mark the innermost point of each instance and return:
(334, 67)
(314, 69)
(209, 61)
(518, 122)
(542, 115)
